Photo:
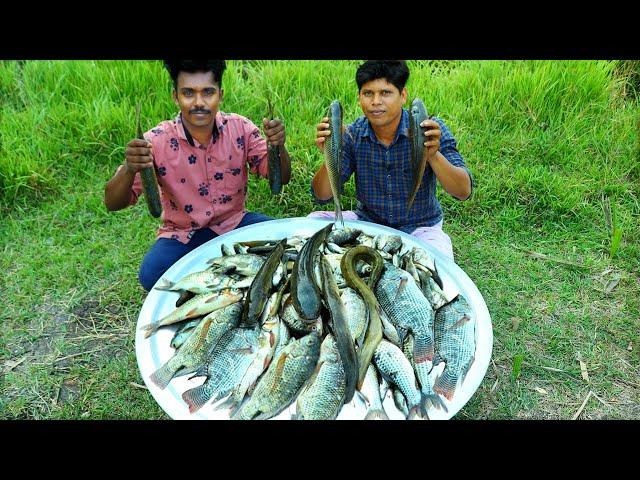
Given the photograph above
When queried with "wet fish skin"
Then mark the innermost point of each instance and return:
(417, 114)
(199, 305)
(260, 289)
(357, 316)
(340, 329)
(344, 236)
(373, 335)
(293, 320)
(149, 178)
(275, 167)
(396, 369)
(246, 264)
(282, 381)
(408, 309)
(333, 156)
(370, 391)
(195, 351)
(322, 396)
(455, 343)
(183, 332)
(204, 281)
(229, 360)
(305, 292)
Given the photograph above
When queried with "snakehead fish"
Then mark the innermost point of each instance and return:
(260, 290)
(373, 335)
(417, 114)
(340, 329)
(455, 344)
(305, 294)
(321, 398)
(284, 378)
(149, 179)
(196, 350)
(333, 155)
(275, 167)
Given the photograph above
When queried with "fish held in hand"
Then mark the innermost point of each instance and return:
(333, 156)
(417, 115)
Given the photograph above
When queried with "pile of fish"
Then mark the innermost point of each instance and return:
(312, 322)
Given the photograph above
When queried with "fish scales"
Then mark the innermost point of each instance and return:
(322, 396)
(333, 156)
(149, 178)
(282, 381)
(370, 390)
(455, 343)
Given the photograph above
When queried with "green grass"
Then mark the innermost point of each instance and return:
(549, 144)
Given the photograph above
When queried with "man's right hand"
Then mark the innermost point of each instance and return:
(322, 132)
(138, 155)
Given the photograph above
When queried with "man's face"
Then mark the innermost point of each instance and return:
(381, 102)
(198, 97)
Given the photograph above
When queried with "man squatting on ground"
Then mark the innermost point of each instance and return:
(202, 158)
(377, 149)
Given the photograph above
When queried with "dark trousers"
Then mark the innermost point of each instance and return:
(165, 252)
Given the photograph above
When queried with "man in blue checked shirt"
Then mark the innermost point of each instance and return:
(377, 149)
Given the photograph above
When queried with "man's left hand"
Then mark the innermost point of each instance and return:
(274, 131)
(432, 138)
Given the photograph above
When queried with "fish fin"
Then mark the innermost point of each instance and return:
(164, 374)
(164, 284)
(445, 384)
(196, 397)
(230, 403)
(401, 287)
(376, 414)
(279, 368)
(414, 414)
(363, 397)
(422, 349)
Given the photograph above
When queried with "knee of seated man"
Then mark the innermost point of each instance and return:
(147, 277)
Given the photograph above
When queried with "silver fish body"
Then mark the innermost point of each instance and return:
(333, 156)
(322, 396)
(370, 390)
(455, 343)
(247, 264)
(417, 114)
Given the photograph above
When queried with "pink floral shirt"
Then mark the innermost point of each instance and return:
(204, 185)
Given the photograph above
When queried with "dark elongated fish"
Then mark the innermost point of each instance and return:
(340, 329)
(275, 168)
(261, 287)
(417, 114)
(333, 155)
(149, 179)
(305, 294)
(373, 335)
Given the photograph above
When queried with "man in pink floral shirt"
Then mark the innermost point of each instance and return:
(202, 159)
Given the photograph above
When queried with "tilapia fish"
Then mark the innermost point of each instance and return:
(417, 114)
(282, 381)
(333, 155)
(149, 179)
(230, 359)
(455, 344)
(196, 307)
(396, 369)
(409, 310)
(322, 396)
(373, 335)
(305, 293)
(370, 391)
(195, 351)
(340, 329)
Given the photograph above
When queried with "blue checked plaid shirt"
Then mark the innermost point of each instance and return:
(383, 176)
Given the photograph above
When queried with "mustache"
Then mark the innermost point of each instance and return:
(197, 110)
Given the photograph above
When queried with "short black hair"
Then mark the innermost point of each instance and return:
(174, 67)
(396, 72)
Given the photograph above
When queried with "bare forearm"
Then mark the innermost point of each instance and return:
(320, 183)
(454, 180)
(117, 192)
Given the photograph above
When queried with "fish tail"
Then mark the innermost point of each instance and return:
(376, 414)
(445, 384)
(150, 329)
(196, 397)
(339, 217)
(414, 414)
(165, 373)
(164, 284)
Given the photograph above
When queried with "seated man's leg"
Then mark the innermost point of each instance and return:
(436, 238)
(165, 252)
(253, 217)
(346, 215)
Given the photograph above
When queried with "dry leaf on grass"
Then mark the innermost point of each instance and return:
(11, 364)
(540, 390)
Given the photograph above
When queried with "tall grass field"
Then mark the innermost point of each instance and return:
(549, 237)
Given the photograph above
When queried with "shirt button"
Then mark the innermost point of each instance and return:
(389, 177)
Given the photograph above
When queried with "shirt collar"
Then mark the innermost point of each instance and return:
(185, 135)
(403, 128)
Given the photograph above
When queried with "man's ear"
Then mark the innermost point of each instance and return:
(174, 94)
(221, 94)
(403, 95)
